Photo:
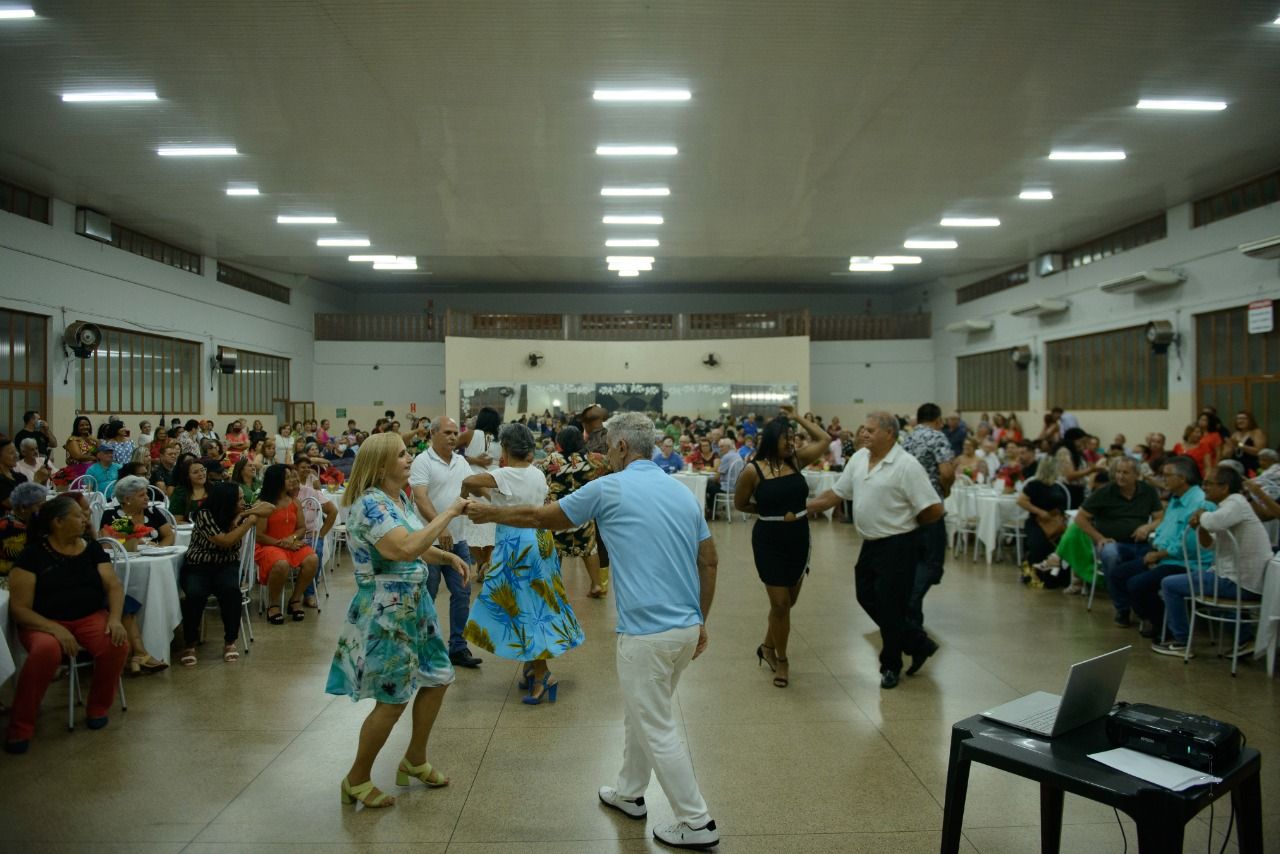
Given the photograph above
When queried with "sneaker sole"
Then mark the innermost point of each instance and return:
(687, 846)
(641, 817)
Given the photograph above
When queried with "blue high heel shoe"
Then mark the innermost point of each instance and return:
(526, 678)
(548, 693)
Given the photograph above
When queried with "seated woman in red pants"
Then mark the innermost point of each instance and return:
(64, 598)
(279, 547)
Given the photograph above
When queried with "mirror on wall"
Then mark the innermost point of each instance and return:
(692, 399)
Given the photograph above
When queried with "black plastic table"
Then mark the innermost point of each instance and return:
(1063, 765)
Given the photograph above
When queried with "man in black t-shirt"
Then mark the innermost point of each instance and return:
(1120, 516)
(35, 427)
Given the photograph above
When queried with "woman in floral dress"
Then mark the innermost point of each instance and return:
(522, 613)
(390, 647)
(568, 469)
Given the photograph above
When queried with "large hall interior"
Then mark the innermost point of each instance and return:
(1025, 253)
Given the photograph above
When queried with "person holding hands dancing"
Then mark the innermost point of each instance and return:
(773, 487)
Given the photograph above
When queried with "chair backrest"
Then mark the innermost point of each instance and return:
(248, 569)
(1065, 491)
(119, 559)
(163, 510)
(312, 518)
(84, 483)
(156, 496)
(97, 507)
(1223, 541)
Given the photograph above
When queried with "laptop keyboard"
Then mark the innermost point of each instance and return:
(1041, 721)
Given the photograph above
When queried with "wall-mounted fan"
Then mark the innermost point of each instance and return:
(83, 338)
(534, 358)
(711, 361)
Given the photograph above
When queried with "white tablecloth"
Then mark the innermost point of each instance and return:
(7, 667)
(819, 482)
(697, 484)
(995, 511)
(182, 534)
(153, 581)
(1269, 627)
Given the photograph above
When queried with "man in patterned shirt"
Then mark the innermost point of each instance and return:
(930, 447)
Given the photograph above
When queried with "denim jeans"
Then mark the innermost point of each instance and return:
(318, 545)
(459, 595)
(1112, 555)
(1176, 590)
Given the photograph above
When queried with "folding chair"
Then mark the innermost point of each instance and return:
(119, 558)
(1208, 605)
(315, 521)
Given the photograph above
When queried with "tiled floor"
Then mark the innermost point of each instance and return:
(247, 757)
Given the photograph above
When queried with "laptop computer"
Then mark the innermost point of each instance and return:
(1090, 693)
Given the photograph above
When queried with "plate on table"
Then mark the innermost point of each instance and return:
(159, 551)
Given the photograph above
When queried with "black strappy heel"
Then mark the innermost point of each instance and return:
(762, 660)
(781, 681)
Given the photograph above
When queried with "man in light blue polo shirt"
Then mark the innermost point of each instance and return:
(664, 575)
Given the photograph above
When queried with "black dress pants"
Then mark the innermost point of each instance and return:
(199, 582)
(884, 578)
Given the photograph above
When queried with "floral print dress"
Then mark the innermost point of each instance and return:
(390, 644)
(522, 613)
(564, 475)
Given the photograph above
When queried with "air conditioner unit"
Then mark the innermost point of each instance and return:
(1148, 280)
(93, 225)
(1266, 248)
(1040, 308)
(970, 326)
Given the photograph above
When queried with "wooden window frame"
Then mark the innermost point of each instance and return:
(133, 395)
(250, 391)
(1110, 369)
(991, 381)
(28, 383)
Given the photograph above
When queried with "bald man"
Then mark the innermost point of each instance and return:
(436, 478)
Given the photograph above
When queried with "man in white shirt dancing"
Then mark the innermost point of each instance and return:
(892, 500)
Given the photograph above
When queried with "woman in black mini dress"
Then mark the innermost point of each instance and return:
(773, 487)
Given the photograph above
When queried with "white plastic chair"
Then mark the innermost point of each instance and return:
(966, 523)
(1065, 491)
(119, 558)
(248, 577)
(314, 522)
(156, 496)
(84, 483)
(97, 508)
(292, 579)
(725, 497)
(164, 511)
(1208, 605)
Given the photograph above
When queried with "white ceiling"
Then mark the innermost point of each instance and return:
(464, 133)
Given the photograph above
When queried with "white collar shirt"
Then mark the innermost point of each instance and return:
(443, 481)
(887, 498)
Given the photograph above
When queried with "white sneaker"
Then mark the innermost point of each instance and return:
(681, 835)
(631, 808)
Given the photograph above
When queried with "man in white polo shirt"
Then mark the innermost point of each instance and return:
(665, 577)
(436, 478)
(892, 500)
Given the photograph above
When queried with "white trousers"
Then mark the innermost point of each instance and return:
(649, 667)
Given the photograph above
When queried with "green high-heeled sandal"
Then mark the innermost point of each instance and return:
(364, 794)
(424, 773)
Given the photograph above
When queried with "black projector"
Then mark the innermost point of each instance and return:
(1192, 740)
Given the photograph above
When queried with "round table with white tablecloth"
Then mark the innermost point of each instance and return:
(153, 581)
(1269, 625)
(994, 512)
(182, 533)
(697, 484)
(7, 666)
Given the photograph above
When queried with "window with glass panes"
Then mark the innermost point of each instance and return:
(1237, 370)
(1116, 369)
(134, 373)
(990, 381)
(259, 379)
(24, 377)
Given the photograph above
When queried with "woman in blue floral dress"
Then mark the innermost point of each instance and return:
(390, 647)
(522, 613)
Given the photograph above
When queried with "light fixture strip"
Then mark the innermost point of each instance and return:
(637, 150)
(107, 97)
(1068, 154)
(1182, 105)
(12, 14)
(243, 191)
(306, 220)
(615, 219)
(969, 222)
(637, 242)
(1036, 195)
(342, 241)
(930, 244)
(635, 191)
(652, 95)
(197, 151)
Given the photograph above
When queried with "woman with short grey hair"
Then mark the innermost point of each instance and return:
(522, 613)
(25, 500)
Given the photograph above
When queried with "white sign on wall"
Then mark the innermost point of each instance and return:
(1261, 316)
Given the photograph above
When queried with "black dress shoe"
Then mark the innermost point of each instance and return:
(917, 661)
(464, 658)
(888, 679)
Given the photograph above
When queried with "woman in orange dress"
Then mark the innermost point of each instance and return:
(279, 548)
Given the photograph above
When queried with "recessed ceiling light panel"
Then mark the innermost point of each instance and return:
(930, 244)
(343, 241)
(635, 191)
(637, 150)
(197, 151)
(1071, 154)
(646, 219)
(638, 242)
(107, 97)
(651, 95)
(1182, 105)
(307, 220)
(969, 222)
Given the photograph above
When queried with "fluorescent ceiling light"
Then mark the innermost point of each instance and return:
(343, 241)
(1185, 105)
(612, 219)
(1041, 195)
(629, 259)
(197, 151)
(930, 244)
(374, 259)
(870, 268)
(631, 266)
(969, 222)
(895, 259)
(246, 190)
(637, 150)
(635, 191)
(641, 95)
(107, 97)
(628, 274)
(1061, 154)
(14, 14)
(307, 220)
(621, 242)
(403, 262)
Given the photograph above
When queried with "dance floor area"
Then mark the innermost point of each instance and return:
(248, 757)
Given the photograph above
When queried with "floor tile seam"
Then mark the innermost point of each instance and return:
(493, 731)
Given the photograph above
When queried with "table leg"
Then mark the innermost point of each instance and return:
(957, 789)
(1050, 819)
(1246, 799)
(1159, 834)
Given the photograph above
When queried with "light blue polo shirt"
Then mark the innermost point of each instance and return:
(652, 525)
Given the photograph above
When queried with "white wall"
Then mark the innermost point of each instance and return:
(47, 268)
(755, 360)
(406, 374)
(1218, 277)
(849, 379)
